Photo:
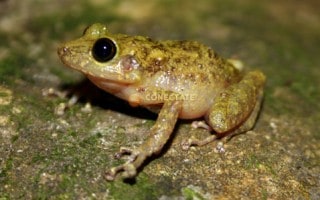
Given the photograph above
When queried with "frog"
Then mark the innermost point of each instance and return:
(178, 79)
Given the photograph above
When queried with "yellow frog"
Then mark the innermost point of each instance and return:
(177, 79)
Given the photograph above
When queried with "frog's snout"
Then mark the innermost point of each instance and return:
(63, 50)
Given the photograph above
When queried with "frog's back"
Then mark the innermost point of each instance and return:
(188, 60)
(196, 59)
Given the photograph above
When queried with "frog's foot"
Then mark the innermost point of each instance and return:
(196, 142)
(128, 169)
(201, 124)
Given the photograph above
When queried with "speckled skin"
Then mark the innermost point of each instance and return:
(178, 79)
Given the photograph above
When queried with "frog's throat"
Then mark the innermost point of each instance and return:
(108, 84)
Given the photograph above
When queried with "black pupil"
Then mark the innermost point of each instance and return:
(103, 50)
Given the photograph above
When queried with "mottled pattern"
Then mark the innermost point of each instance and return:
(183, 59)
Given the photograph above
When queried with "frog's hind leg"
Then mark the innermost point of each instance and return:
(250, 121)
(235, 110)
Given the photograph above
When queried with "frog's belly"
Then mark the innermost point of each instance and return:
(197, 108)
(195, 102)
(188, 111)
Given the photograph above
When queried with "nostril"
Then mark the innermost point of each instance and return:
(63, 50)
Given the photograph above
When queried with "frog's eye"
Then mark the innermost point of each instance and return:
(104, 50)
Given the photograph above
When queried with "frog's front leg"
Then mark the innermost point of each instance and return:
(235, 110)
(160, 133)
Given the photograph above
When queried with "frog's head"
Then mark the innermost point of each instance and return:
(97, 54)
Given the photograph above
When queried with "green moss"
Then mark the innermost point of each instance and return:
(252, 162)
(91, 140)
(141, 189)
(264, 194)
(5, 171)
(31, 102)
(12, 67)
(307, 89)
(190, 194)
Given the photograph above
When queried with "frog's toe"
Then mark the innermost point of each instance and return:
(201, 124)
(123, 151)
(187, 144)
(128, 170)
(196, 142)
(111, 174)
